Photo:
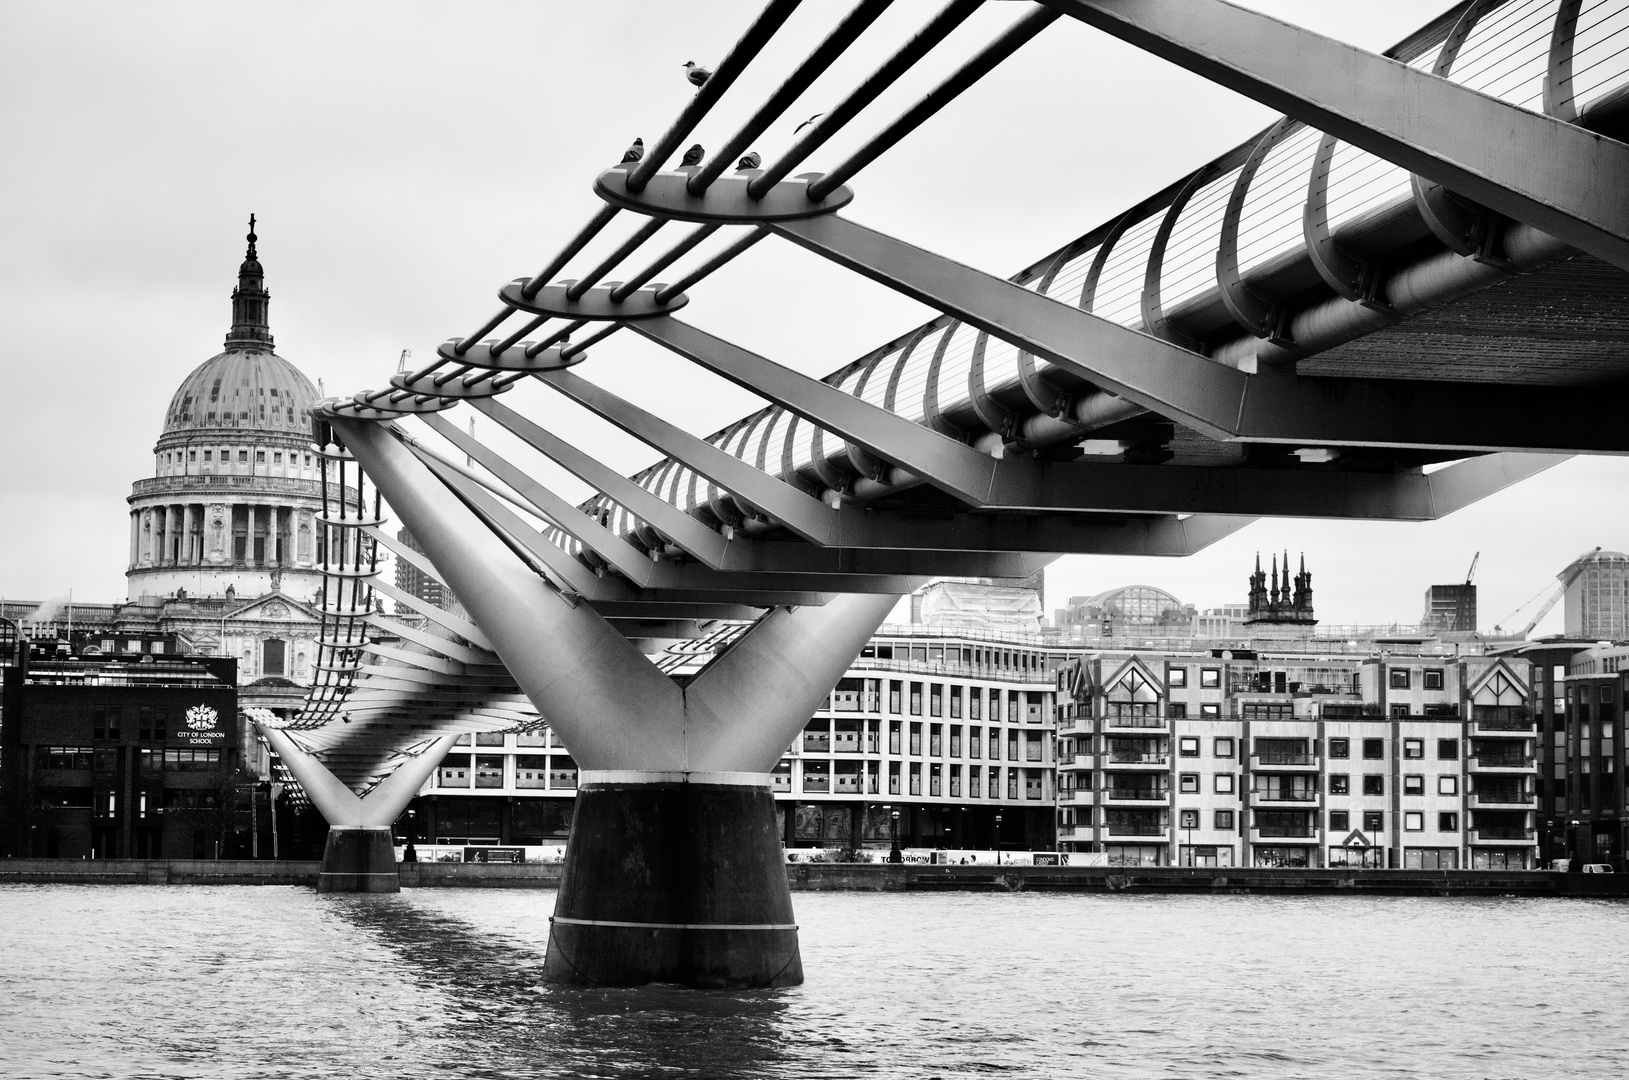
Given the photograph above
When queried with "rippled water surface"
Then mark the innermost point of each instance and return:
(225, 982)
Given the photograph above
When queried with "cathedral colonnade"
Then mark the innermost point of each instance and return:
(208, 533)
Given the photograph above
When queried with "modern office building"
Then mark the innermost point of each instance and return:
(121, 755)
(1597, 597)
(1262, 758)
(1449, 609)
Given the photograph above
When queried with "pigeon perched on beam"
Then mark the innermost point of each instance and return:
(697, 74)
(634, 152)
(693, 155)
(749, 160)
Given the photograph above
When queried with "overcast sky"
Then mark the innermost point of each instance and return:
(406, 160)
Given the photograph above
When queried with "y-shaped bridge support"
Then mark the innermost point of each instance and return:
(673, 872)
(359, 855)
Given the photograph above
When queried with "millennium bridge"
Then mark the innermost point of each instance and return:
(1405, 294)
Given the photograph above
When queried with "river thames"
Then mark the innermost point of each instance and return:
(229, 982)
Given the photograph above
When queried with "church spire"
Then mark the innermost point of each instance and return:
(250, 331)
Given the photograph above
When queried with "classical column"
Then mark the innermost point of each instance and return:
(186, 535)
(135, 537)
(249, 543)
(165, 549)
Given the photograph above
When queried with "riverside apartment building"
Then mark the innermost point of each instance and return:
(1257, 758)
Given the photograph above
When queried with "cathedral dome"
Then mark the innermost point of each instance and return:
(247, 387)
(241, 391)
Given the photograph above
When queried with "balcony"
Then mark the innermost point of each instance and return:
(1137, 830)
(1138, 794)
(1286, 796)
(1134, 721)
(1499, 761)
(1501, 723)
(1122, 757)
(1500, 798)
(1272, 760)
(816, 784)
(1284, 832)
(1500, 833)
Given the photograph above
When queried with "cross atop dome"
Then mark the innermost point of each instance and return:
(250, 303)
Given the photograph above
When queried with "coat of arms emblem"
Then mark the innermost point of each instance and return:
(201, 717)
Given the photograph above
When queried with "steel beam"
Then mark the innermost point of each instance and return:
(1530, 167)
(1222, 402)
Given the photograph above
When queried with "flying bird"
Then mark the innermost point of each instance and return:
(696, 73)
(693, 155)
(807, 122)
(634, 152)
(749, 160)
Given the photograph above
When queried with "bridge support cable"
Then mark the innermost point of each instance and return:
(1527, 166)
(1222, 402)
(672, 872)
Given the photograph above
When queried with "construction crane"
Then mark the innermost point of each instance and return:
(1465, 605)
(1570, 575)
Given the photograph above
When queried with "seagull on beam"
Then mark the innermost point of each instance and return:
(697, 74)
(634, 152)
(693, 155)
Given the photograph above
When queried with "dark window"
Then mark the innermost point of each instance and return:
(272, 653)
(1177, 710)
(1374, 820)
(1447, 749)
(1374, 749)
(1187, 819)
(1399, 678)
(1340, 748)
(1340, 784)
(1433, 678)
(1374, 784)
(1339, 820)
(1224, 819)
(1447, 822)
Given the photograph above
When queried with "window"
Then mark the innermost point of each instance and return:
(1210, 677)
(916, 699)
(260, 457)
(1224, 819)
(1188, 783)
(1447, 822)
(209, 455)
(1433, 679)
(1447, 785)
(1447, 749)
(1374, 820)
(277, 457)
(1224, 783)
(192, 455)
(1187, 819)
(1223, 747)
(1340, 748)
(893, 697)
(1413, 821)
(243, 456)
(1177, 678)
(1374, 749)
(1339, 820)
(1399, 678)
(1340, 784)
(1188, 746)
(1176, 710)
(1413, 748)
(916, 740)
(1413, 785)
(1210, 711)
(1374, 784)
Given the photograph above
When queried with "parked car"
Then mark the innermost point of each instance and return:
(1597, 868)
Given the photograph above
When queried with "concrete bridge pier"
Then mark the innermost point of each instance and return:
(674, 870)
(360, 855)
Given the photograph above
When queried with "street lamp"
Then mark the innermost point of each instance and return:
(998, 839)
(894, 854)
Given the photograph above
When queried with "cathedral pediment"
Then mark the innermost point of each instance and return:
(273, 607)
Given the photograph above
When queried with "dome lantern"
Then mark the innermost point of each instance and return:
(250, 304)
